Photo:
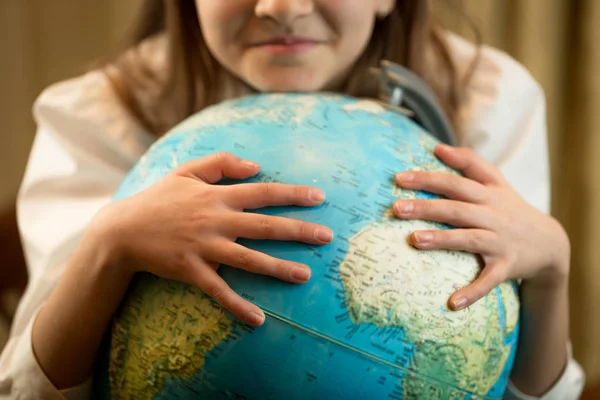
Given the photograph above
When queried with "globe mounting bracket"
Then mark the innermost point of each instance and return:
(403, 91)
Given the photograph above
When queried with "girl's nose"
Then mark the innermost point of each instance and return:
(284, 12)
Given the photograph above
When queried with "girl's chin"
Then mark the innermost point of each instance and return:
(279, 87)
(285, 83)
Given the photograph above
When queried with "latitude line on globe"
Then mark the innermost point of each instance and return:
(372, 357)
(332, 340)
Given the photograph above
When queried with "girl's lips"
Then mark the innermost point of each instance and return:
(286, 45)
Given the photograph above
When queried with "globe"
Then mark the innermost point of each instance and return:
(373, 321)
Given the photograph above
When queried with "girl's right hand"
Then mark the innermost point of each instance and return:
(183, 227)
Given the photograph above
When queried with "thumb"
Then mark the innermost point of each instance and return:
(215, 167)
(491, 276)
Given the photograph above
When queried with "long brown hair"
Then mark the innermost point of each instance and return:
(191, 78)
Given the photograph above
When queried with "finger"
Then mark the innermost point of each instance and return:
(455, 213)
(215, 167)
(477, 241)
(490, 277)
(238, 256)
(469, 164)
(445, 184)
(258, 195)
(214, 286)
(265, 227)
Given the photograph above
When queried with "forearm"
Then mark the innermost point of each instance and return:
(542, 354)
(71, 325)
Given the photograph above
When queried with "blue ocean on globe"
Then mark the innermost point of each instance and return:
(372, 323)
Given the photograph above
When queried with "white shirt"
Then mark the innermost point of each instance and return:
(87, 142)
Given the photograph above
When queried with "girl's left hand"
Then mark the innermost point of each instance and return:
(514, 239)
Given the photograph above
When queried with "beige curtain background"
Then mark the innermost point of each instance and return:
(558, 40)
(43, 42)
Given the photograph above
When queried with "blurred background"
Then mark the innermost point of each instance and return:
(557, 40)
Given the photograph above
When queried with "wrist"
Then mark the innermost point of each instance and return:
(539, 294)
(106, 238)
(555, 278)
(556, 274)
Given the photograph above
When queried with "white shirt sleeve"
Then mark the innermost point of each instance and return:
(84, 147)
(505, 123)
(568, 387)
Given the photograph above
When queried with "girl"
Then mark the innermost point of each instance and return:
(82, 250)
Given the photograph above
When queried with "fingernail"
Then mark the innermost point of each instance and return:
(404, 208)
(405, 177)
(251, 164)
(301, 274)
(256, 319)
(323, 235)
(316, 195)
(424, 237)
(459, 303)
